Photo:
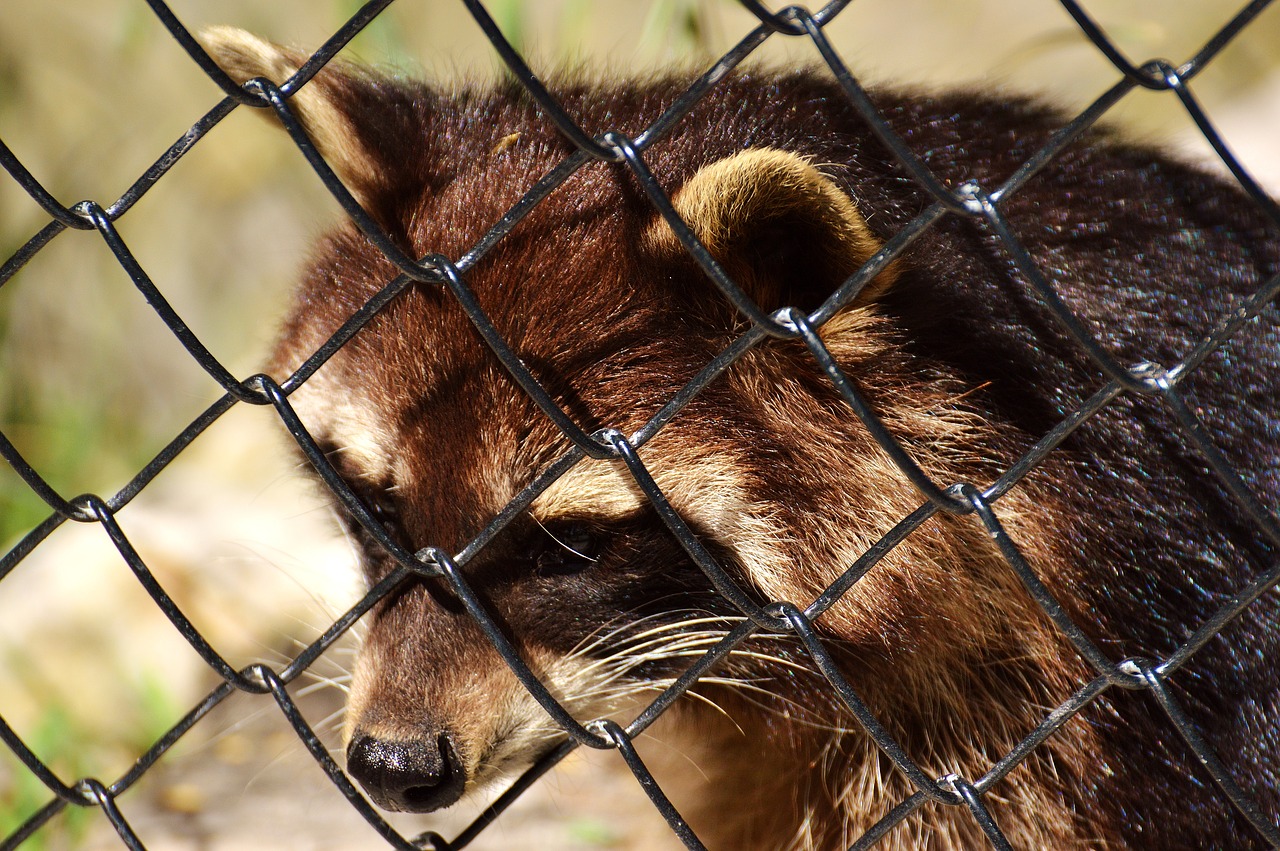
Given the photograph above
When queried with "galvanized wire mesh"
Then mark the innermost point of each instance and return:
(1160, 382)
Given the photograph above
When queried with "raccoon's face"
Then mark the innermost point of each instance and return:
(436, 438)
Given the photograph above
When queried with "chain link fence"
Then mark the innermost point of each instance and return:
(1162, 383)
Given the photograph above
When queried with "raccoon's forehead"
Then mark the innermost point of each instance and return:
(382, 407)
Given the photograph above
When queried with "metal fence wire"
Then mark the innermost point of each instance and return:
(1161, 383)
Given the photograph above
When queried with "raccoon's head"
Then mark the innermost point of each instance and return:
(598, 298)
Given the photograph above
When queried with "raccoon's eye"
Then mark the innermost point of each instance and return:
(567, 548)
(386, 512)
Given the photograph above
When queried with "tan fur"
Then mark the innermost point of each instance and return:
(963, 566)
(505, 142)
(362, 686)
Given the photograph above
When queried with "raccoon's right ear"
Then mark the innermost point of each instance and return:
(367, 128)
(780, 228)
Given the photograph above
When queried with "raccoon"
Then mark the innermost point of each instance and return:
(961, 359)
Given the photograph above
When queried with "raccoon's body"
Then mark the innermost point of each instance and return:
(962, 361)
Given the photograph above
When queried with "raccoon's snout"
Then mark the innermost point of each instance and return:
(415, 776)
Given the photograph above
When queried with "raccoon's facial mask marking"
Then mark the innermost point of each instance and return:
(573, 546)
(378, 499)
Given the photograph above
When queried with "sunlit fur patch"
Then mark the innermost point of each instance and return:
(362, 687)
(601, 488)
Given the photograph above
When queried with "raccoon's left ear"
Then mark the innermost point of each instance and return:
(782, 230)
(367, 127)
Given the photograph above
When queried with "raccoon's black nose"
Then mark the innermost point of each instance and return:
(415, 776)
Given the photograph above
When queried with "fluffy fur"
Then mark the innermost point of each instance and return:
(960, 359)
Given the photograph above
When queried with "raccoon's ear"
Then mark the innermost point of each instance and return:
(358, 121)
(781, 229)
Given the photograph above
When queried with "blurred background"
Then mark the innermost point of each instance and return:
(92, 385)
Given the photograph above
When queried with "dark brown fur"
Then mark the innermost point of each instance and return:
(961, 359)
